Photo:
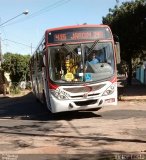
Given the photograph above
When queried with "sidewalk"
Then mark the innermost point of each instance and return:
(22, 93)
(136, 91)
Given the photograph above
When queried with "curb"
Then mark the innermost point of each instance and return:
(133, 98)
(23, 93)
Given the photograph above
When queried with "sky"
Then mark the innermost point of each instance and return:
(24, 31)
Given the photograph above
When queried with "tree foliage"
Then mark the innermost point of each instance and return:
(128, 21)
(17, 65)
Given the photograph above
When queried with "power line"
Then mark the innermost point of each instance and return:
(29, 46)
(25, 13)
(42, 11)
(1, 24)
(18, 43)
(37, 13)
(48, 8)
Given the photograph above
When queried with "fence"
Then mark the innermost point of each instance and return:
(141, 73)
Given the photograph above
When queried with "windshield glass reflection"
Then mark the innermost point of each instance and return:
(81, 62)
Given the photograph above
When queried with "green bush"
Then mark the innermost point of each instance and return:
(15, 89)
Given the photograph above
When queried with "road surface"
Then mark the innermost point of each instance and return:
(26, 127)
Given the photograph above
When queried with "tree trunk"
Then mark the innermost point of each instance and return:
(129, 79)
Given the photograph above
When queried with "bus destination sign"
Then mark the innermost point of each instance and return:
(78, 34)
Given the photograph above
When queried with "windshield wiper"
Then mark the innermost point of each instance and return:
(92, 47)
(69, 49)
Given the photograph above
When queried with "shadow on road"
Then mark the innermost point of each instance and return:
(38, 122)
(103, 155)
(27, 108)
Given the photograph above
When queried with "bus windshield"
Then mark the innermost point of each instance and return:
(76, 63)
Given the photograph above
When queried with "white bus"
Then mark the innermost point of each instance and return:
(74, 68)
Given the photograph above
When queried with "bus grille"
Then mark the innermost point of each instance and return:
(83, 89)
(85, 103)
(81, 96)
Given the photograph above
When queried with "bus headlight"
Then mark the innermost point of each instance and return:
(59, 94)
(110, 90)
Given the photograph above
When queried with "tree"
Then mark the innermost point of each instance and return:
(129, 22)
(17, 65)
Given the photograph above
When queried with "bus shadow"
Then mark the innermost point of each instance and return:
(27, 108)
(74, 115)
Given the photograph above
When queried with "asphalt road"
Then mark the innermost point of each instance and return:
(27, 129)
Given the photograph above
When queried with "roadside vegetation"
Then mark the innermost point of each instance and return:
(128, 22)
(17, 66)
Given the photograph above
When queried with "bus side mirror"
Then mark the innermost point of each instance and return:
(117, 49)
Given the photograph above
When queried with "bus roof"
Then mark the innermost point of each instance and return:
(77, 26)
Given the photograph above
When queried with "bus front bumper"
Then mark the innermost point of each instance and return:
(85, 104)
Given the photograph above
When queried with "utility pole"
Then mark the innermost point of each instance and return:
(0, 53)
(2, 79)
(0, 48)
(31, 48)
(1, 25)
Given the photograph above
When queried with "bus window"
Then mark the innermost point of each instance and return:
(73, 65)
